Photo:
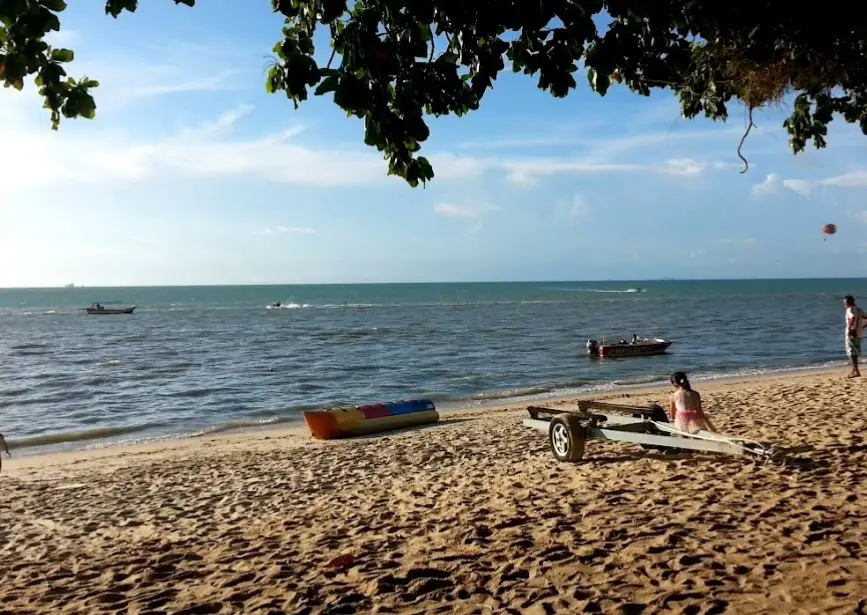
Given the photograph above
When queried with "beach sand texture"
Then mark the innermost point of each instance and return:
(473, 515)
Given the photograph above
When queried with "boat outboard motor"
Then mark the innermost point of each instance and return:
(592, 347)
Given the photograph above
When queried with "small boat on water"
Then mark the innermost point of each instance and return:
(635, 348)
(100, 310)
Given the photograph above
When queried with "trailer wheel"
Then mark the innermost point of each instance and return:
(659, 415)
(566, 438)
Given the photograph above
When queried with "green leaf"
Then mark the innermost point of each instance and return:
(372, 133)
(116, 7)
(329, 84)
(425, 169)
(448, 58)
(274, 83)
(62, 55)
(57, 6)
(88, 108)
(332, 9)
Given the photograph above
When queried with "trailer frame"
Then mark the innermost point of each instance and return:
(569, 429)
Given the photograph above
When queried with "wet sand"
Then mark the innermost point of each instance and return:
(471, 515)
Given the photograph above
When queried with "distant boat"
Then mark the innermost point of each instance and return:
(70, 285)
(101, 310)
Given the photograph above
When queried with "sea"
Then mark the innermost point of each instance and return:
(200, 360)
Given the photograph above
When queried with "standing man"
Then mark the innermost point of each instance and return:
(854, 333)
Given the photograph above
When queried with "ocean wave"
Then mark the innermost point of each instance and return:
(616, 291)
(445, 304)
(349, 333)
(582, 387)
(69, 437)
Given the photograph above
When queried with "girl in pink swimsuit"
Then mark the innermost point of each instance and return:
(684, 409)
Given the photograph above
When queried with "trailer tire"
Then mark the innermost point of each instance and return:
(566, 437)
(659, 415)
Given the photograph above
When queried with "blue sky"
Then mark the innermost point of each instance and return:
(191, 174)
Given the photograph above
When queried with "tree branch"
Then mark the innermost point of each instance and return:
(750, 126)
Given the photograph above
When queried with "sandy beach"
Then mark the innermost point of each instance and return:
(472, 515)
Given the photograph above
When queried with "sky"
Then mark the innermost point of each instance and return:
(192, 174)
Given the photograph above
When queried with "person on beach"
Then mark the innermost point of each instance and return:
(854, 332)
(6, 447)
(684, 409)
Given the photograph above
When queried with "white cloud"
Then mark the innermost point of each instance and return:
(520, 178)
(475, 229)
(684, 167)
(568, 211)
(38, 156)
(770, 185)
(284, 230)
(773, 183)
(212, 83)
(737, 241)
(607, 146)
(519, 143)
(62, 38)
(528, 171)
(32, 155)
(463, 212)
(856, 179)
(579, 207)
(114, 150)
(800, 186)
(128, 79)
(690, 166)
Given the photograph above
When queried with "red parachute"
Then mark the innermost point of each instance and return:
(829, 229)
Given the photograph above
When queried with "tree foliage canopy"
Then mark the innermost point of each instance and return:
(393, 63)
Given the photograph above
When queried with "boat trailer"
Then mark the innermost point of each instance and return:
(569, 429)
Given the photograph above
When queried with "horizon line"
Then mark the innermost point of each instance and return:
(454, 282)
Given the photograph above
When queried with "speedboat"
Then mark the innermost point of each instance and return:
(635, 348)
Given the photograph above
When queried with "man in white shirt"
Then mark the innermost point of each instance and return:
(854, 332)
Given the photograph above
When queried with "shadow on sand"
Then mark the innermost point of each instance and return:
(394, 432)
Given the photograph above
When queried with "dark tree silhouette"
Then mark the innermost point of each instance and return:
(395, 62)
